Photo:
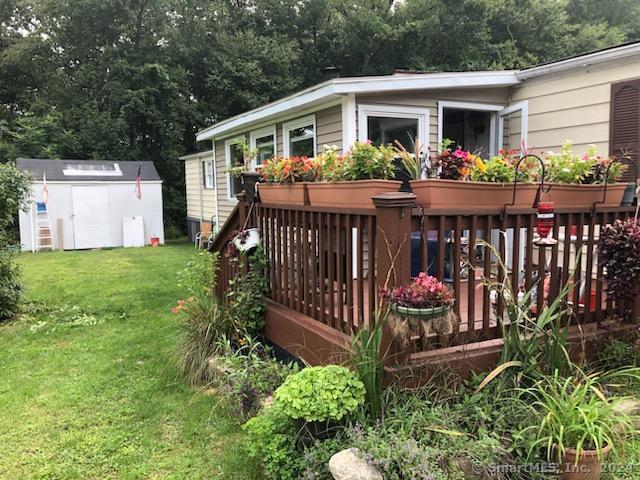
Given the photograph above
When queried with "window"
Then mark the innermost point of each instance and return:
(208, 175)
(264, 142)
(92, 169)
(384, 124)
(469, 124)
(233, 157)
(300, 137)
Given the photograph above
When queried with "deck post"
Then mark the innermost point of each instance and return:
(242, 219)
(393, 255)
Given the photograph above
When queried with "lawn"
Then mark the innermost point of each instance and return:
(89, 386)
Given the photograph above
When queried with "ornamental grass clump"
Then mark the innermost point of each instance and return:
(318, 394)
(619, 254)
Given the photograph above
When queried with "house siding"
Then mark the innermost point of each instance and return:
(429, 99)
(573, 105)
(201, 202)
(328, 132)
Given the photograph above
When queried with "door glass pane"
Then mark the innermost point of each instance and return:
(266, 148)
(237, 159)
(386, 130)
(301, 141)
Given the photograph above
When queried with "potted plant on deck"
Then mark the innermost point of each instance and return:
(351, 180)
(456, 177)
(579, 426)
(422, 308)
(577, 181)
(284, 180)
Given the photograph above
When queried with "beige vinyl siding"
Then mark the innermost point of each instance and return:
(328, 132)
(225, 204)
(429, 99)
(200, 200)
(573, 105)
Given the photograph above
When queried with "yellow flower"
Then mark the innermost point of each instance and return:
(479, 164)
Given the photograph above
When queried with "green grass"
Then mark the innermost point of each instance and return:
(104, 400)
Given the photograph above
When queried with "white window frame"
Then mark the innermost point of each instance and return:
(494, 109)
(523, 107)
(209, 171)
(393, 111)
(263, 132)
(299, 123)
(227, 161)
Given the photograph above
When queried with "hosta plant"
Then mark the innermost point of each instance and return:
(619, 254)
(320, 394)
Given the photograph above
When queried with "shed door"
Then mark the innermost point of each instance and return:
(91, 216)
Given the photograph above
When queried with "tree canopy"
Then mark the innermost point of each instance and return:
(136, 79)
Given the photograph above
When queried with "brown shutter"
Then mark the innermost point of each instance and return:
(624, 125)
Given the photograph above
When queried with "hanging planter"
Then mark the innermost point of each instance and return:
(247, 240)
(570, 195)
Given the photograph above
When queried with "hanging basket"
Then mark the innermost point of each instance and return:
(247, 240)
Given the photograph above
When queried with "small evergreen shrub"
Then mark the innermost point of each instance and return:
(321, 394)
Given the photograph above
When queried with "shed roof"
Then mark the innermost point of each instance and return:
(88, 170)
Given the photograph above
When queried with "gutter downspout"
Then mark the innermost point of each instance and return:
(215, 184)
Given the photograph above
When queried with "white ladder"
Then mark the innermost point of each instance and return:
(44, 234)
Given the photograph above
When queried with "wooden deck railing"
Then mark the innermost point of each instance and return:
(329, 264)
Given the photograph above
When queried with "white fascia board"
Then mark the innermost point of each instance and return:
(427, 81)
(317, 93)
(581, 61)
(336, 88)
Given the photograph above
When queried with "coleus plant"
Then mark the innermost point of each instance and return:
(619, 254)
(424, 291)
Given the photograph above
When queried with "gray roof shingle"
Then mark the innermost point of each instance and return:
(54, 169)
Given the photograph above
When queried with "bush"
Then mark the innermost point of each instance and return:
(619, 254)
(253, 375)
(199, 274)
(271, 438)
(321, 394)
(10, 286)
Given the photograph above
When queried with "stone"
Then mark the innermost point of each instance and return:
(349, 465)
(631, 407)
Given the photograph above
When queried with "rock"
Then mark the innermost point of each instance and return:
(631, 407)
(349, 465)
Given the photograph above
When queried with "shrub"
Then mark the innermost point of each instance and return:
(619, 254)
(271, 438)
(199, 274)
(321, 394)
(253, 375)
(10, 285)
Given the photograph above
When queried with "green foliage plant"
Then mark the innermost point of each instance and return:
(366, 161)
(199, 274)
(10, 285)
(271, 438)
(414, 162)
(574, 413)
(321, 394)
(246, 293)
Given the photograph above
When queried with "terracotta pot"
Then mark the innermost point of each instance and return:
(355, 194)
(282, 193)
(588, 467)
(584, 196)
(436, 193)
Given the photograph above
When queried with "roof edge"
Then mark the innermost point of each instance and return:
(601, 56)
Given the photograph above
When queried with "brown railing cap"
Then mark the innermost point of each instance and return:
(394, 199)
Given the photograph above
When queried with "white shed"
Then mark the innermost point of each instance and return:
(81, 204)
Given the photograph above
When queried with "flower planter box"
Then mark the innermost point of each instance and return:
(355, 194)
(436, 193)
(584, 196)
(282, 193)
